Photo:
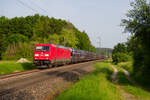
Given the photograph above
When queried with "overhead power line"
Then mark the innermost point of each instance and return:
(26, 5)
(38, 6)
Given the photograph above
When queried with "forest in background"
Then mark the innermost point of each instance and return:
(104, 51)
(19, 35)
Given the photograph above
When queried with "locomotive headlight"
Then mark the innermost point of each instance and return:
(46, 55)
(36, 55)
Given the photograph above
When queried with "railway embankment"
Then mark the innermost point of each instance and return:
(43, 84)
(93, 80)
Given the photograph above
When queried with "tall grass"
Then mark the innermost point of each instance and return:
(95, 86)
(140, 80)
(11, 66)
(132, 88)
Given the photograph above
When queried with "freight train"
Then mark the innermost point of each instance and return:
(49, 55)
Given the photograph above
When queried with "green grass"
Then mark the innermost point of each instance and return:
(126, 65)
(11, 66)
(95, 86)
(131, 88)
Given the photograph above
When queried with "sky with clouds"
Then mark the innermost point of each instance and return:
(99, 18)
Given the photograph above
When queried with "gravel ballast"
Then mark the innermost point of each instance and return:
(43, 85)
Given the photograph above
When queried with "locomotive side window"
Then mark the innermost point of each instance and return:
(42, 48)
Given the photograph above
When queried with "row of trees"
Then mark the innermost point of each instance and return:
(138, 24)
(19, 35)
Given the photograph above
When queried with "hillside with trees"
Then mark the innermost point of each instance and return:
(19, 35)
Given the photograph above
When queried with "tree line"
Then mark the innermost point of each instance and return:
(137, 24)
(19, 35)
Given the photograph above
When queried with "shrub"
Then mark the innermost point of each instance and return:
(120, 57)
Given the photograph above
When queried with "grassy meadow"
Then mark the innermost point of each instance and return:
(95, 86)
(11, 66)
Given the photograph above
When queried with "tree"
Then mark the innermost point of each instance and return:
(120, 53)
(39, 29)
(120, 47)
(138, 24)
(12, 39)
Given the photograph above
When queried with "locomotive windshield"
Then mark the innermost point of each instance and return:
(42, 48)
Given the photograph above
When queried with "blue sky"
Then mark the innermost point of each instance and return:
(99, 18)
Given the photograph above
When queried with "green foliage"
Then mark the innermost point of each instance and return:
(68, 38)
(12, 39)
(126, 65)
(120, 53)
(137, 24)
(84, 41)
(54, 38)
(18, 33)
(11, 66)
(133, 89)
(120, 47)
(120, 57)
(95, 86)
(19, 50)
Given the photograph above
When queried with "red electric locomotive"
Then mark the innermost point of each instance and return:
(48, 55)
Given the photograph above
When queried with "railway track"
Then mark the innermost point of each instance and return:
(18, 73)
(28, 72)
(41, 75)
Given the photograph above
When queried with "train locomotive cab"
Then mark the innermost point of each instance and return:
(43, 55)
(48, 55)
